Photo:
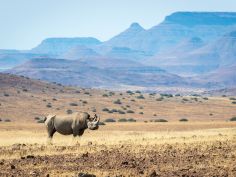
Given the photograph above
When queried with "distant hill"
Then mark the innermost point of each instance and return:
(196, 58)
(59, 46)
(98, 74)
(80, 52)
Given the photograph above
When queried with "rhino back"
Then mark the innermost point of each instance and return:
(63, 125)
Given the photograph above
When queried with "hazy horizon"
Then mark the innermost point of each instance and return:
(26, 23)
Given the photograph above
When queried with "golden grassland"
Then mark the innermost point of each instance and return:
(203, 146)
(195, 149)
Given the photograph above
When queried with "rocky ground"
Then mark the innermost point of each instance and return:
(197, 159)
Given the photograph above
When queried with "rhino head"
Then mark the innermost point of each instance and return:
(93, 123)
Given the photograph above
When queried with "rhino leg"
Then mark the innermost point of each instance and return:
(50, 135)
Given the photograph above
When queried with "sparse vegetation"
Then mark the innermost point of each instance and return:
(183, 120)
(130, 111)
(6, 95)
(73, 104)
(160, 120)
(233, 119)
(131, 120)
(140, 97)
(117, 101)
(105, 95)
(185, 99)
(101, 123)
(232, 98)
(122, 120)
(110, 120)
(166, 95)
(160, 99)
(69, 111)
(105, 109)
(49, 105)
(121, 112)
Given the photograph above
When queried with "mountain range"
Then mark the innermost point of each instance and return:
(187, 49)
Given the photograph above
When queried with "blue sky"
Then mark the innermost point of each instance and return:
(24, 23)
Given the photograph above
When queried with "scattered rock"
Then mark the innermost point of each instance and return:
(90, 143)
(85, 175)
(153, 173)
(13, 167)
(30, 157)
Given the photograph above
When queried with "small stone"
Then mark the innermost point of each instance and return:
(13, 166)
(90, 143)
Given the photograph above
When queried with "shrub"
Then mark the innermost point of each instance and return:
(140, 97)
(0, 120)
(54, 99)
(154, 114)
(101, 123)
(131, 120)
(137, 91)
(6, 94)
(183, 120)
(69, 111)
(7, 120)
(146, 121)
(197, 95)
(122, 120)
(37, 118)
(110, 120)
(25, 90)
(132, 100)
(185, 99)
(233, 119)
(177, 94)
(114, 110)
(205, 98)
(111, 93)
(73, 104)
(121, 112)
(128, 106)
(160, 120)
(77, 91)
(110, 111)
(105, 95)
(140, 107)
(94, 110)
(84, 102)
(49, 105)
(105, 109)
(117, 101)
(234, 102)
(140, 112)
(224, 96)
(232, 98)
(86, 93)
(130, 111)
(130, 92)
(159, 99)
(166, 95)
(40, 121)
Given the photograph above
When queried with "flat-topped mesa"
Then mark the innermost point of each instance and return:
(58, 46)
(202, 18)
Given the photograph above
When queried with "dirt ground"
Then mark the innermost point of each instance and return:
(113, 152)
